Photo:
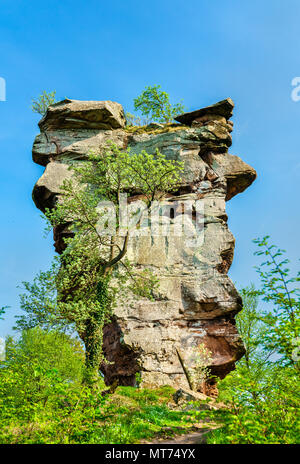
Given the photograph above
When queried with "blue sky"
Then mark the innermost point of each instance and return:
(200, 51)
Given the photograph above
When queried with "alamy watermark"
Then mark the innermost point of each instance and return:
(2, 349)
(295, 94)
(2, 89)
(296, 350)
(182, 218)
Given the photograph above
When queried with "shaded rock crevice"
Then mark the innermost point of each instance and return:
(122, 365)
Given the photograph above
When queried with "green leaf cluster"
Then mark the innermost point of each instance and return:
(92, 272)
(155, 104)
(263, 393)
(40, 105)
(279, 290)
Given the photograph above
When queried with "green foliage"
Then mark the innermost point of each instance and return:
(115, 171)
(283, 319)
(132, 120)
(252, 330)
(263, 393)
(42, 399)
(92, 273)
(47, 350)
(90, 276)
(2, 311)
(35, 367)
(41, 104)
(39, 303)
(138, 379)
(155, 104)
(264, 410)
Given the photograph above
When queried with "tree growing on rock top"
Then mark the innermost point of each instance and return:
(155, 104)
(44, 100)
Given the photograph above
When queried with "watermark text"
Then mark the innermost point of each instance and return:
(2, 89)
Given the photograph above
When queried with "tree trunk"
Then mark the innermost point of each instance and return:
(93, 352)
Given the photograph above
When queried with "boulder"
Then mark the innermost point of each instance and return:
(223, 108)
(47, 188)
(76, 114)
(196, 301)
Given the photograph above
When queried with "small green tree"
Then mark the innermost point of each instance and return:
(264, 391)
(250, 327)
(39, 303)
(132, 120)
(41, 104)
(38, 369)
(45, 350)
(247, 381)
(93, 271)
(155, 104)
(278, 289)
(262, 394)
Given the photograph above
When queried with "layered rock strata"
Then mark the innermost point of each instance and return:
(196, 301)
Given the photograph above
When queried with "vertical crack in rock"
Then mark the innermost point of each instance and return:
(196, 302)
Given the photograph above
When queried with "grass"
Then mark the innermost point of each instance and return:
(150, 130)
(142, 414)
(130, 415)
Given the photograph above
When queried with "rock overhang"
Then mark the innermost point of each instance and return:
(78, 114)
(223, 108)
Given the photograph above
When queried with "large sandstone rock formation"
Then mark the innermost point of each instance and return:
(196, 302)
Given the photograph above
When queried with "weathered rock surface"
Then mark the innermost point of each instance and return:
(72, 114)
(181, 397)
(196, 302)
(223, 108)
(48, 186)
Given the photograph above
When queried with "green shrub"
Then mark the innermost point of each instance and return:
(155, 105)
(40, 105)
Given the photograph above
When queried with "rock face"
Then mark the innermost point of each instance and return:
(224, 109)
(71, 114)
(196, 302)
